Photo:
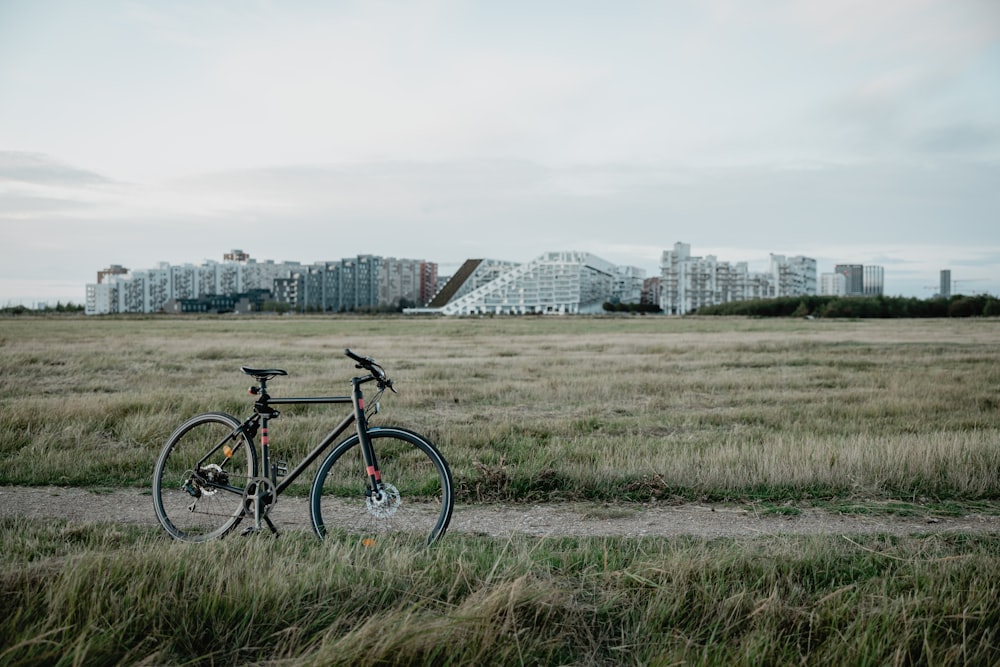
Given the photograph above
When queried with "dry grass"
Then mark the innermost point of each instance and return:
(867, 600)
(540, 407)
(523, 408)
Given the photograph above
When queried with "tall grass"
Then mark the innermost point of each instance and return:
(529, 408)
(104, 595)
(539, 408)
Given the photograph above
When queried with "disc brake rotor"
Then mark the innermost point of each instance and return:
(210, 472)
(383, 503)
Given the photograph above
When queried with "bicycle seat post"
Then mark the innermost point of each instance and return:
(265, 487)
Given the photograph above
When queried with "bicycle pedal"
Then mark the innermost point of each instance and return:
(280, 468)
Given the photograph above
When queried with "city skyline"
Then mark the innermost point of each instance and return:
(556, 282)
(140, 132)
(757, 264)
(349, 282)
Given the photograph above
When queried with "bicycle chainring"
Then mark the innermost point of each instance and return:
(259, 490)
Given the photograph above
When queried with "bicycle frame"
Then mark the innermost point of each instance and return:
(263, 413)
(200, 495)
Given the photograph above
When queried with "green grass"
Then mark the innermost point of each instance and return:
(117, 595)
(888, 417)
(539, 408)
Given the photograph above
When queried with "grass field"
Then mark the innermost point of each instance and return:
(848, 413)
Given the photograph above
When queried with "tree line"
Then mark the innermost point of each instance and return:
(60, 307)
(980, 305)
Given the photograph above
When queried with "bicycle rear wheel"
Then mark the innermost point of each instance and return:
(199, 479)
(416, 497)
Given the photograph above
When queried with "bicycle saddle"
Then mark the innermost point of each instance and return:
(263, 373)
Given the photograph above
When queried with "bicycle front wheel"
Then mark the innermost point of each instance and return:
(199, 479)
(415, 497)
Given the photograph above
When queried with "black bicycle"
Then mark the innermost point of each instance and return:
(379, 480)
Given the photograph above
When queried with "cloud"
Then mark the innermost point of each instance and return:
(26, 207)
(445, 130)
(35, 186)
(961, 139)
(39, 169)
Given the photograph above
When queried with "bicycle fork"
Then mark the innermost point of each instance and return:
(375, 493)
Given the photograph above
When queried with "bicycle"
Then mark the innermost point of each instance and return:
(377, 481)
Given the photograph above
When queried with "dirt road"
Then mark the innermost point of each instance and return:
(135, 506)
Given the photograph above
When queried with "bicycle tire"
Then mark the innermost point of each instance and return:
(197, 508)
(416, 477)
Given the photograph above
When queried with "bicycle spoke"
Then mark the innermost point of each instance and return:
(415, 499)
(189, 500)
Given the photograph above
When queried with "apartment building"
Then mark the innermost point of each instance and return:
(793, 275)
(833, 284)
(365, 281)
(556, 283)
(357, 283)
(873, 282)
(945, 281)
(628, 284)
(473, 274)
(151, 290)
(688, 282)
(854, 278)
(862, 280)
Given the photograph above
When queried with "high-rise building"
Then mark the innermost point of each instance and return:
(628, 284)
(833, 284)
(406, 282)
(945, 289)
(357, 283)
(793, 276)
(150, 290)
(651, 291)
(874, 281)
(862, 280)
(854, 278)
(688, 283)
(365, 281)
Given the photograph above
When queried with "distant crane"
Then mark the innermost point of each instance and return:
(955, 284)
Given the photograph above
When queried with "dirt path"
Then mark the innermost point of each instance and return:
(135, 506)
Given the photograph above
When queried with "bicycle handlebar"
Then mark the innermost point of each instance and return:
(370, 365)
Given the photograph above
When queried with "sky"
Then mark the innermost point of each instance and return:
(138, 132)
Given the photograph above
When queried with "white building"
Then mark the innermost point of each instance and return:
(473, 274)
(874, 280)
(102, 299)
(364, 281)
(793, 276)
(628, 282)
(688, 283)
(556, 282)
(149, 290)
(833, 284)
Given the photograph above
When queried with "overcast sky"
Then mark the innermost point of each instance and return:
(851, 131)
